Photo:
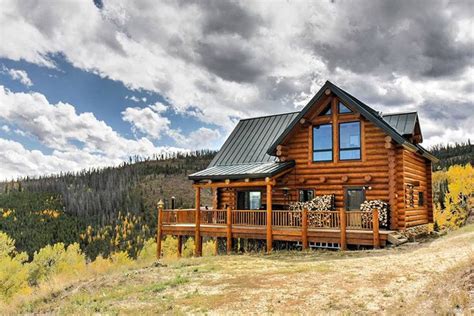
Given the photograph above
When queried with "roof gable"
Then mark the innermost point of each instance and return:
(360, 107)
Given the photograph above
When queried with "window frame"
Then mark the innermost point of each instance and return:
(339, 109)
(421, 199)
(303, 190)
(323, 150)
(340, 149)
(247, 198)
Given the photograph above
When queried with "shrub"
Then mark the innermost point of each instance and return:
(13, 273)
(56, 259)
(148, 252)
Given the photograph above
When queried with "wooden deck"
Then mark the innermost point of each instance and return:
(335, 227)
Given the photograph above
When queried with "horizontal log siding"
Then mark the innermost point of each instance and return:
(415, 170)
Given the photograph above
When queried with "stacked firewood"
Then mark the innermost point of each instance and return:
(319, 203)
(368, 206)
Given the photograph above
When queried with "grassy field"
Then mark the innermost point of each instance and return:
(430, 277)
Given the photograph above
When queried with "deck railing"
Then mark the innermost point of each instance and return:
(303, 220)
(249, 217)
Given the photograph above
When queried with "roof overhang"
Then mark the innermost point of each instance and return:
(242, 171)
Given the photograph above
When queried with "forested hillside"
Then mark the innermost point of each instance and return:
(100, 194)
(106, 209)
(449, 155)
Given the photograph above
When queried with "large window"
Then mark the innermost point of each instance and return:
(249, 200)
(322, 142)
(343, 109)
(354, 198)
(305, 195)
(349, 141)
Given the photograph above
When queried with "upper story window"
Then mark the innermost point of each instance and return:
(305, 195)
(343, 109)
(349, 141)
(327, 110)
(322, 142)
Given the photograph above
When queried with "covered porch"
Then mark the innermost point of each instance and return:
(339, 227)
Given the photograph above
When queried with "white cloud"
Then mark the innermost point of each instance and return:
(201, 138)
(146, 121)
(19, 75)
(5, 128)
(227, 60)
(59, 127)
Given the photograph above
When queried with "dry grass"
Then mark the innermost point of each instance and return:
(427, 278)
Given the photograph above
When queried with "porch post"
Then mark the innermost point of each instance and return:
(229, 230)
(343, 227)
(375, 219)
(304, 228)
(197, 226)
(159, 229)
(269, 216)
(180, 245)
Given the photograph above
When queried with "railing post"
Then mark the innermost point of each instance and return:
(375, 225)
(343, 226)
(159, 229)
(269, 217)
(304, 228)
(180, 246)
(197, 225)
(229, 230)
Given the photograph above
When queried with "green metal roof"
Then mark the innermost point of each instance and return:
(249, 141)
(404, 123)
(249, 170)
(249, 152)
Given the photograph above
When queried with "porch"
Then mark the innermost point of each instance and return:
(340, 228)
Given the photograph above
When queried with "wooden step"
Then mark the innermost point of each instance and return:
(396, 238)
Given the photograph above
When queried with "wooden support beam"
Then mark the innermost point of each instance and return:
(343, 224)
(159, 230)
(302, 180)
(368, 178)
(392, 188)
(180, 246)
(229, 230)
(269, 218)
(375, 219)
(197, 226)
(327, 91)
(344, 178)
(304, 229)
(322, 179)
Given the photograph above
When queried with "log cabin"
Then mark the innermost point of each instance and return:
(335, 146)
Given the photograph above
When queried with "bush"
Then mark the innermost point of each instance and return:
(13, 273)
(56, 259)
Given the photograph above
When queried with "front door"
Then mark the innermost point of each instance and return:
(353, 198)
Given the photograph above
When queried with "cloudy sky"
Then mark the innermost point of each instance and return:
(90, 83)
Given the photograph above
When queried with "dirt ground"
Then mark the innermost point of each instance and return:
(432, 277)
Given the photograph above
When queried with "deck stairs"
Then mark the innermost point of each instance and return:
(395, 238)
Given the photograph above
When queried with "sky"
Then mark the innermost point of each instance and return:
(90, 83)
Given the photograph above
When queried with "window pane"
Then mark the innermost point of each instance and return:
(255, 200)
(354, 198)
(349, 154)
(349, 135)
(322, 155)
(322, 137)
(326, 111)
(343, 109)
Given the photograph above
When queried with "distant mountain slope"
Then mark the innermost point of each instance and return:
(133, 187)
(457, 154)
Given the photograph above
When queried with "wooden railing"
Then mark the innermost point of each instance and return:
(324, 219)
(249, 217)
(359, 220)
(286, 218)
(341, 220)
(214, 217)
